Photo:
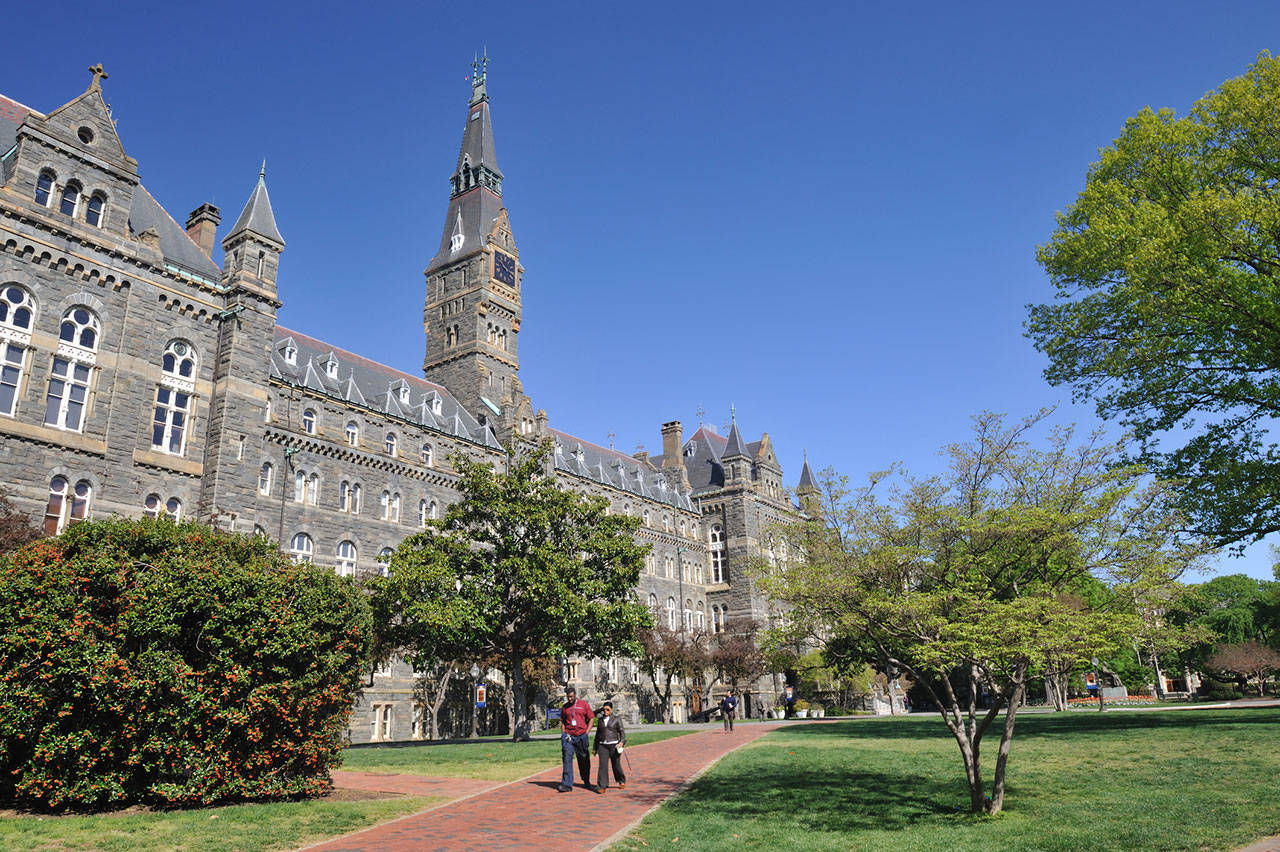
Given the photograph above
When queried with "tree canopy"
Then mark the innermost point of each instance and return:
(517, 569)
(959, 581)
(1167, 271)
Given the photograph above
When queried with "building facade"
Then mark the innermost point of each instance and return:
(139, 375)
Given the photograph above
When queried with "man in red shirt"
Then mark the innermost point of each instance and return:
(575, 722)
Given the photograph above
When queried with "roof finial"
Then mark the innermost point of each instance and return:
(263, 173)
(733, 414)
(611, 437)
(98, 76)
(700, 413)
(479, 73)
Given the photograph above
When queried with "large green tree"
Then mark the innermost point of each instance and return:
(1167, 272)
(517, 569)
(958, 581)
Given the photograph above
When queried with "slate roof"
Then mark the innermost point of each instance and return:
(617, 469)
(144, 212)
(257, 216)
(807, 480)
(733, 444)
(359, 381)
(472, 213)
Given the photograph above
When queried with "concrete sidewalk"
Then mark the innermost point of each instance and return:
(530, 813)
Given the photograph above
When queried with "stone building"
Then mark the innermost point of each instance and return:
(141, 373)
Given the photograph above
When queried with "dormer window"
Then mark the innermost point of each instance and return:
(70, 199)
(691, 449)
(456, 241)
(331, 368)
(290, 354)
(437, 406)
(404, 393)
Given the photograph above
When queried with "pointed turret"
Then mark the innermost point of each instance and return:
(254, 244)
(734, 458)
(807, 490)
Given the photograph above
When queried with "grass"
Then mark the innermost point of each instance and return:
(278, 825)
(1180, 780)
(489, 759)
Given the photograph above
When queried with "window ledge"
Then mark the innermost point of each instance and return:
(49, 435)
(168, 462)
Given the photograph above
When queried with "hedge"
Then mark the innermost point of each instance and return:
(143, 661)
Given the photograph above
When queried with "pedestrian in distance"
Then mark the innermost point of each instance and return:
(611, 736)
(575, 722)
(728, 707)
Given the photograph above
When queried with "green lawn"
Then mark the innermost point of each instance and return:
(283, 825)
(1194, 780)
(491, 759)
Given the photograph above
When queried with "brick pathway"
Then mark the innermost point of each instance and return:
(530, 813)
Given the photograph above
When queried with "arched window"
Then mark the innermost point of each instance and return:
(671, 613)
(355, 498)
(66, 507)
(179, 360)
(260, 531)
(384, 561)
(653, 602)
(93, 210)
(264, 478)
(153, 508)
(385, 502)
(44, 187)
(649, 564)
(346, 561)
(718, 573)
(433, 510)
(666, 523)
(645, 516)
(344, 496)
(395, 509)
(390, 443)
(306, 487)
(427, 455)
(701, 615)
(16, 305)
(70, 199)
(668, 567)
(422, 513)
(353, 434)
(688, 613)
(309, 421)
(301, 548)
(79, 328)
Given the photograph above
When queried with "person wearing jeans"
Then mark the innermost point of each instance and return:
(575, 722)
(728, 707)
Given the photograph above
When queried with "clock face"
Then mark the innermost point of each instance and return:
(504, 268)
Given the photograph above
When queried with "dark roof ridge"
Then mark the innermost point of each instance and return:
(616, 453)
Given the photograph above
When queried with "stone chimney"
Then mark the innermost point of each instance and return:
(641, 454)
(202, 226)
(672, 444)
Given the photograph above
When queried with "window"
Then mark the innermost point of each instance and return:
(426, 454)
(419, 720)
(264, 478)
(344, 496)
(306, 487)
(179, 360)
(635, 672)
(346, 562)
(395, 509)
(309, 421)
(646, 517)
(612, 669)
(290, 354)
(44, 188)
(15, 308)
(649, 564)
(666, 523)
(331, 369)
(571, 670)
(701, 615)
(668, 566)
(301, 548)
(169, 427)
(355, 498)
(671, 613)
(12, 358)
(381, 722)
(390, 443)
(688, 614)
(384, 561)
(422, 513)
(717, 554)
(433, 510)
(93, 210)
(68, 395)
(66, 507)
(70, 199)
(153, 508)
(353, 434)
(79, 328)
(653, 603)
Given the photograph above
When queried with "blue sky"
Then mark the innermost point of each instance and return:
(823, 214)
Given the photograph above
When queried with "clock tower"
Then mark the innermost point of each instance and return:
(472, 315)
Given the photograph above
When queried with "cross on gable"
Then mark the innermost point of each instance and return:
(98, 76)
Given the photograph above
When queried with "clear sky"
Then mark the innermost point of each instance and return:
(823, 214)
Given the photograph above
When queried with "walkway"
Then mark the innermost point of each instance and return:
(530, 813)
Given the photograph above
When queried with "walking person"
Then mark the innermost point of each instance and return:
(575, 721)
(611, 736)
(728, 707)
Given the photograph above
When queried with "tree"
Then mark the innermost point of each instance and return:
(1248, 660)
(1166, 269)
(147, 661)
(16, 528)
(517, 569)
(734, 653)
(956, 580)
(670, 656)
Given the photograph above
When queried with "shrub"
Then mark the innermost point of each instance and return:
(1217, 690)
(836, 710)
(143, 661)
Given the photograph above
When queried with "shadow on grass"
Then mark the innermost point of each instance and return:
(1041, 725)
(832, 802)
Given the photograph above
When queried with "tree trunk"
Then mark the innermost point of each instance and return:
(1006, 741)
(509, 702)
(437, 701)
(520, 717)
